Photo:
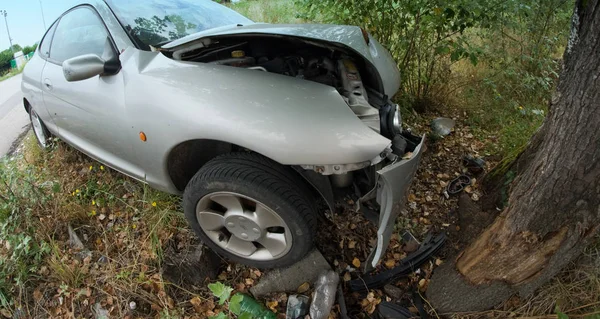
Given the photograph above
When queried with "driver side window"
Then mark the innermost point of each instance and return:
(79, 32)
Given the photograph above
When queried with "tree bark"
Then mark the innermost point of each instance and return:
(553, 210)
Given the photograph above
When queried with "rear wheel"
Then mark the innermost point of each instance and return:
(251, 210)
(41, 132)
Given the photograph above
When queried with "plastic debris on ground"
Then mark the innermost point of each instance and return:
(388, 310)
(297, 306)
(324, 295)
(442, 126)
(428, 247)
(474, 164)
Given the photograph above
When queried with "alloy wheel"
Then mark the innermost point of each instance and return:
(38, 129)
(243, 226)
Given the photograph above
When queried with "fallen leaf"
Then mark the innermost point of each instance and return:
(390, 263)
(272, 305)
(303, 288)
(196, 302)
(352, 244)
(412, 197)
(356, 262)
(423, 283)
(37, 295)
(347, 276)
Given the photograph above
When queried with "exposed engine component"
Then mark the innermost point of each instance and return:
(356, 94)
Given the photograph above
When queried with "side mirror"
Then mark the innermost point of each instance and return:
(89, 65)
(83, 67)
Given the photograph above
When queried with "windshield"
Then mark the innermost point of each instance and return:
(157, 22)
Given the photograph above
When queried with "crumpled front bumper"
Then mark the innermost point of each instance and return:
(393, 182)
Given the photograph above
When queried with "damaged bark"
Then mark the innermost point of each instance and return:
(553, 209)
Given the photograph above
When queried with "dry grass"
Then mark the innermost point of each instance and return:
(125, 228)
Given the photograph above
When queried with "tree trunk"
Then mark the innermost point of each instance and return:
(553, 210)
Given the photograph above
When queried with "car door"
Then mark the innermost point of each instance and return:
(32, 74)
(90, 114)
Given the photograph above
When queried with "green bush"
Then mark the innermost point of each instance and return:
(422, 35)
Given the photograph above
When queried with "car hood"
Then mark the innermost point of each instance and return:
(350, 37)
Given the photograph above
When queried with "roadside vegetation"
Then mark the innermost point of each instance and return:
(491, 66)
(11, 73)
(6, 71)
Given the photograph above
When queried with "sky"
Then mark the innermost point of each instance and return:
(25, 19)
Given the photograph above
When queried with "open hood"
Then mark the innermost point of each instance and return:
(350, 37)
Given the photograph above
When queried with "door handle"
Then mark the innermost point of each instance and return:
(48, 84)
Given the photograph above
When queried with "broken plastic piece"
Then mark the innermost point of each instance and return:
(388, 310)
(458, 184)
(474, 164)
(442, 126)
(324, 295)
(429, 247)
(342, 303)
(297, 307)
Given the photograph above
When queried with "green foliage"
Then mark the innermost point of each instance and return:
(29, 49)
(220, 291)
(269, 11)
(422, 35)
(521, 54)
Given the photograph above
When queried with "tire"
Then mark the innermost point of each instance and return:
(42, 135)
(276, 210)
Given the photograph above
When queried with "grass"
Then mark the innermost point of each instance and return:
(120, 221)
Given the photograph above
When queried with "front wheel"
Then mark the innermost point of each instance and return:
(41, 132)
(251, 210)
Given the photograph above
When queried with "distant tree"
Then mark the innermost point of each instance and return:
(17, 48)
(5, 57)
(29, 49)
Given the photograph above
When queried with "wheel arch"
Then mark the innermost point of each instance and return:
(186, 158)
(26, 105)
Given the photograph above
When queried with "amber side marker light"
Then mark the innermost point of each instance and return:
(143, 136)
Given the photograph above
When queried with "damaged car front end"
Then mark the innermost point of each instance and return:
(363, 73)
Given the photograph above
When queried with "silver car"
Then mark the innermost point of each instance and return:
(254, 124)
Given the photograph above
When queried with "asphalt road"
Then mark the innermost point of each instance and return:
(14, 121)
